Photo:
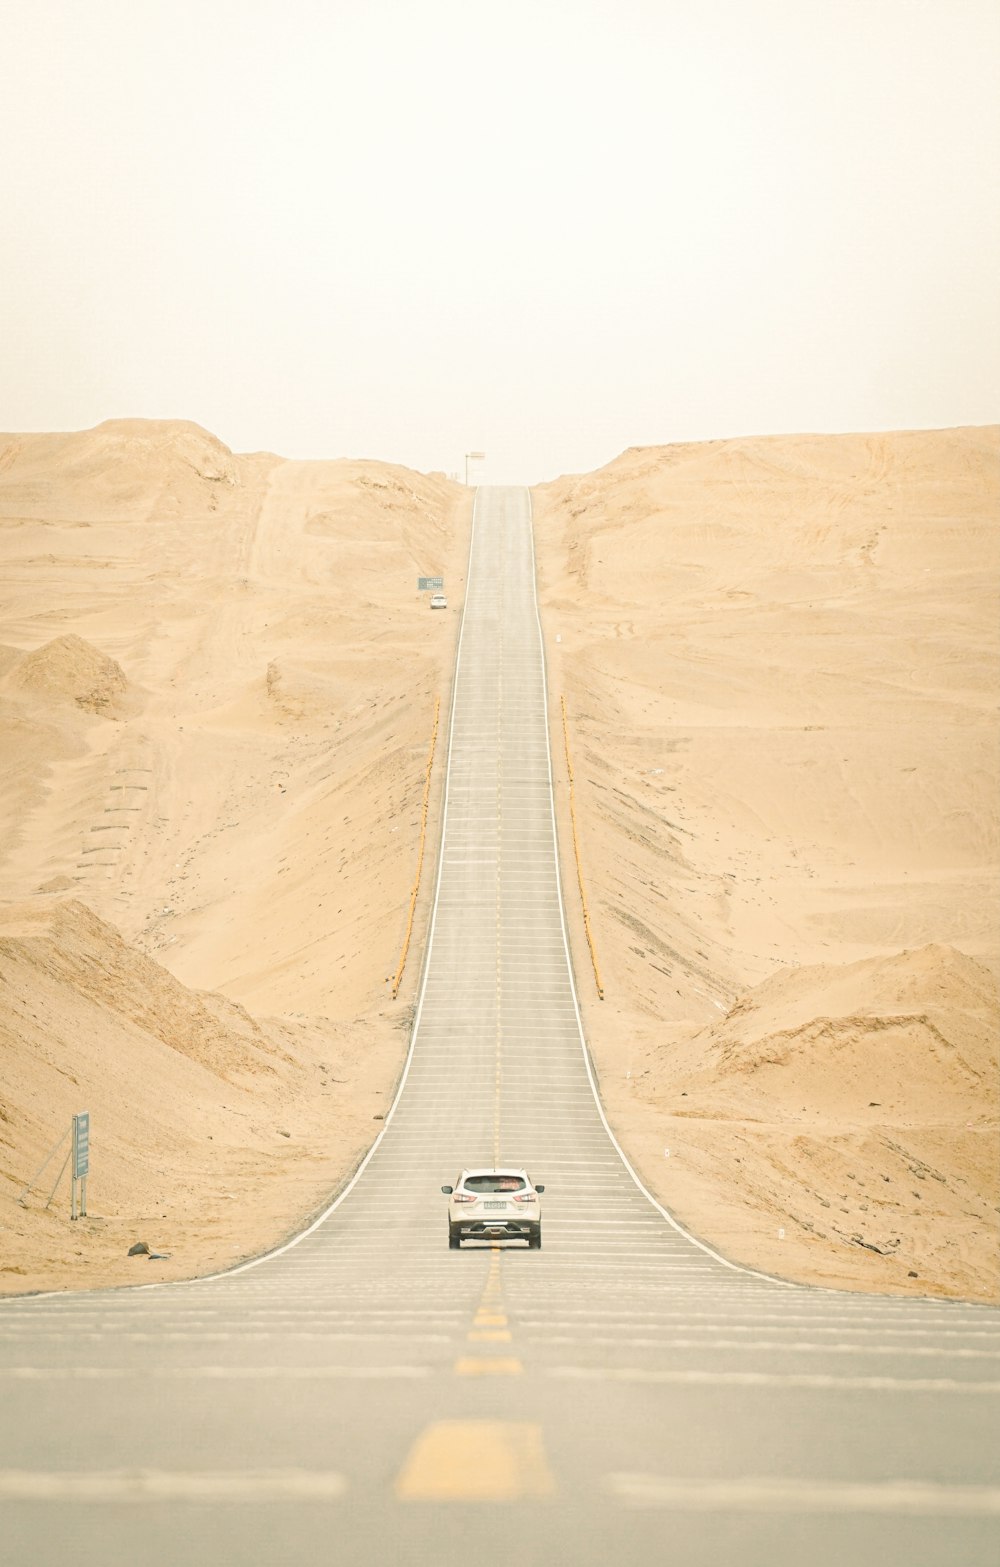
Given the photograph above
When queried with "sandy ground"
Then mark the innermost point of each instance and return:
(217, 691)
(780, 663)
(217, 688)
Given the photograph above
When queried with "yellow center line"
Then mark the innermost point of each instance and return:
(495, 1366)
(476, 1461)
(490, 1325)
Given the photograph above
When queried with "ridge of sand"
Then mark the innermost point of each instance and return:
(122, 470)
(70, 669)
(780, 659)
(237, 828)
(210, 1130)
(858, 1107)
(62, 943)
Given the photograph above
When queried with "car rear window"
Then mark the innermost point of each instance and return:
(494, 1183)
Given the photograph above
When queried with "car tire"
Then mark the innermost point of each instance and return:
(535, 1239)
(454, 1238)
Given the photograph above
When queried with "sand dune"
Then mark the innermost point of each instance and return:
(857, 1106)
(127, 470)
(219, 703)
(68, 669)
(780, 659)
(217, 687)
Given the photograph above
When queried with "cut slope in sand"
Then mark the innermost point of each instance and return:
(210, 1132)
(780, 659)
(218, 701)
(847, 1115)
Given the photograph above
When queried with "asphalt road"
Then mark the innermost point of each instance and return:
(623, 1395)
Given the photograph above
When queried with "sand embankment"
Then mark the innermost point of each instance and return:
(217, 689)
(780, 660)
(217, 684)
(211, 1132)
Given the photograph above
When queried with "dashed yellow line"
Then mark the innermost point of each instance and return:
(476, 1461)
(490, 1325)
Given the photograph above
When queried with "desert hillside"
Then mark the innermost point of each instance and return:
(210, 1129)
(217, 694)
(217, 691)
(780, 662)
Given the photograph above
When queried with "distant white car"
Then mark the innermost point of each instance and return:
(438, 601)
(491, 1205)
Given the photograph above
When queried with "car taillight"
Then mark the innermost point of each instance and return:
(465, 1196)
(524, 1197)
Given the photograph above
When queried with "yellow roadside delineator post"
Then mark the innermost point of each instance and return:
(576, 851)
(398, 977)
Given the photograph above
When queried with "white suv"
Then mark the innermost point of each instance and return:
(492, 1205)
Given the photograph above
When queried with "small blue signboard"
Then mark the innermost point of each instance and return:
(430, 584)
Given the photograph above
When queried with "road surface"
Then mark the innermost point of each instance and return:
(366, 1395)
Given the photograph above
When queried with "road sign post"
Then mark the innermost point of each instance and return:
(430, 584)
(81, 1163)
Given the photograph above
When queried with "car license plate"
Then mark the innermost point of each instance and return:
(494, 1205)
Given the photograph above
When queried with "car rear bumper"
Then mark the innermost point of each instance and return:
(495, 1229)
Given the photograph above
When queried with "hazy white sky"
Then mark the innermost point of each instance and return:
(548, 229)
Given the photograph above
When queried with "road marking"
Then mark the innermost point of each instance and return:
(774, 1379)
(803, 1496)
(784, 1347)
(286, 1335)
(228, 1373)
(610, 1224)
(140, 1485)
(488, 1336)
(476, 1461)
(485, 1319)
(749, 1321)
(493, 1367)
